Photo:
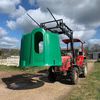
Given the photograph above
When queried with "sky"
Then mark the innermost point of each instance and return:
(82, 16)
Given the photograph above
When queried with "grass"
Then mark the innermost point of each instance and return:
(14, 69)
(9, 68)
(89, 88)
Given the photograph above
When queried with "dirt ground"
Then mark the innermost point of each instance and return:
(24, 86)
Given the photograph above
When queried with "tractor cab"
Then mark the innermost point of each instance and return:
(77, 51)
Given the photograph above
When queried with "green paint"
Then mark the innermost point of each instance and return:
(30, 55)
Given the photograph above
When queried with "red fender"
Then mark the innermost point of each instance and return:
(66, 63)
(80, 60)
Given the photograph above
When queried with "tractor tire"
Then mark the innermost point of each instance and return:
(74, 75)
(85, 70)
(51, 75)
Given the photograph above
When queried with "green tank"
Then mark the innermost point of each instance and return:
(40, 48)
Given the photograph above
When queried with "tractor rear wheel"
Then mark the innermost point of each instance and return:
(74, 75)
(51, 75)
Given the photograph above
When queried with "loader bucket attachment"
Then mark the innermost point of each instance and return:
(40, 48)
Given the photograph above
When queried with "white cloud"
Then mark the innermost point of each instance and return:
(7, 45)
(18, 12)
(8, 6)
(81, 16)
(10, 39)
(6, 41)
(11, 24)
(84, 35)
(2, 32)
(94, 41)
(26, 24)
(9, 42)
(81, 11)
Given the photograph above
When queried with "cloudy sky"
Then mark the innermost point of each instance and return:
(82, 16)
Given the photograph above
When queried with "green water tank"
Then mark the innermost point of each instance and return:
(40, 48)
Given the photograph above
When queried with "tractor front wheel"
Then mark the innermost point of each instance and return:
(51, 75)
(74, 75)
(85, 70)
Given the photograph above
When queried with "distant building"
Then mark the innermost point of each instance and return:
(94, 55)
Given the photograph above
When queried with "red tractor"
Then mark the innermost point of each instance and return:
(74, 64)
(80, 56)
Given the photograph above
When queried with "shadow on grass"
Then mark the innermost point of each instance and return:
(58, 79)
(23, 81)
(30, 81)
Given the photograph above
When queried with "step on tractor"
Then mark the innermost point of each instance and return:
(41, 48)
